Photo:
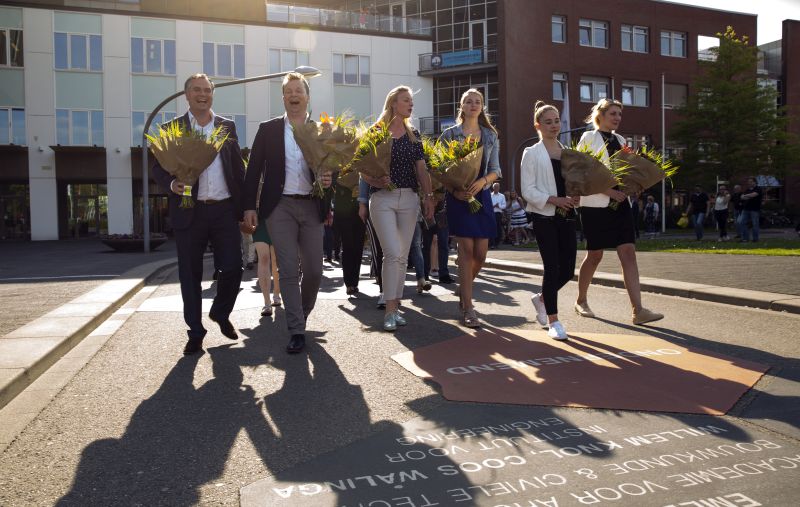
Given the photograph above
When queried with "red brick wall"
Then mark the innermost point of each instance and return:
(528, 57)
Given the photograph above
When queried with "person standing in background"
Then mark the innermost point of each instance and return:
(698, 207)
(499, 207)
(721, 204)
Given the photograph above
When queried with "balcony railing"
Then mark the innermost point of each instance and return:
(455, 59)
(282, 13)
(433, 126)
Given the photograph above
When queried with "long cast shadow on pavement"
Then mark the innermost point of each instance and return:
(181, 437)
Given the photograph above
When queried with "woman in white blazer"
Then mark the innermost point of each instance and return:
(605, 227)
(553, 215)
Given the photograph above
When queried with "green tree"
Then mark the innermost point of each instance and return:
(731, 126)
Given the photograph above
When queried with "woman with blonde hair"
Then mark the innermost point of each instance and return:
(605, 227)
(554, 216)
(394, 212)
(473, 230)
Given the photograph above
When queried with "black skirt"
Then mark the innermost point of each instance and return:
(607, 228)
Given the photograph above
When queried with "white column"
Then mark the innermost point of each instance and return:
(40, 120)
(256, 93)
(116, 108)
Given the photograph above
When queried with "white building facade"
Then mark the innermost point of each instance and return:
(78, 85)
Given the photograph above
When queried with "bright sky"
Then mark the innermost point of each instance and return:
(770, 13)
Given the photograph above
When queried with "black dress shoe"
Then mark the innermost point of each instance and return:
(446, 280)
(193, 346)
(296, 343)
(225, 327)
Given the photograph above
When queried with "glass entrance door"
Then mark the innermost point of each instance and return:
(15, 212)
(87, 210)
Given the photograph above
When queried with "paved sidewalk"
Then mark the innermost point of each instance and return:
(56, 293)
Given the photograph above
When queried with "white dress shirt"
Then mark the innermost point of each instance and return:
(211, 184)
(498, 202)
(298, 176)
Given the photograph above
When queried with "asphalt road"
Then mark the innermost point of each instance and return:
(142, 425)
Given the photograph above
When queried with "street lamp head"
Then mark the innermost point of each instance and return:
(307, 71)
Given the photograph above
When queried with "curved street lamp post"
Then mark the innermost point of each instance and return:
(304, 70)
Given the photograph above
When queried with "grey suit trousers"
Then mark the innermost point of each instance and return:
(296, 233)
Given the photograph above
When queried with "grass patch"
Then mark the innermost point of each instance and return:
(773, 247)
(778, 247)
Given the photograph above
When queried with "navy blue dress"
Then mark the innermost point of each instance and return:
(466, 224)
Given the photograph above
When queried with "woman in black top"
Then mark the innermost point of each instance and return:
(394, 212)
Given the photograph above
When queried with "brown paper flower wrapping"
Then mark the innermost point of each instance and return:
(584, 174)
(348, 180)
(640, 174)
(185, 158)
(375, 163)
(327, 147)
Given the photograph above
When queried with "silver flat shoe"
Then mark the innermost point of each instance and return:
(399, 319)
(389, 322)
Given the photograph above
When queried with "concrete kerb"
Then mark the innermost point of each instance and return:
(728, 295)
(30, 350)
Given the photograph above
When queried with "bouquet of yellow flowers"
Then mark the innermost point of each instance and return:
(185, 154)
(373, 153)
(327, 146)
(646, 167)
(455, 164)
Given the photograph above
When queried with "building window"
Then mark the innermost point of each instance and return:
(635, 38)
(240, 121)
(636, 94)
(11, 48)
(137, 123)
(282, 60)
(223, 60)
(75, 127)
(152, 56)
(593, 33)
(559, 28)
(351, 69)
(594, 88)
(637, 141)
(559, 85)
(675, 95)
(673, 43)
(78, 51)
(12, 126)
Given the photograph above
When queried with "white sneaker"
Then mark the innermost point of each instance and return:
(557, 331)
(541, 312)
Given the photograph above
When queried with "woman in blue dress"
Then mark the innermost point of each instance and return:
(473, 230)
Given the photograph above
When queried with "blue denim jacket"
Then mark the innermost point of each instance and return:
(491, 147)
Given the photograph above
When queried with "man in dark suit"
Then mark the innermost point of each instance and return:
(294, 216)
(215, 218)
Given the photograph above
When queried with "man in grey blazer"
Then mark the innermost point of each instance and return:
(294, 216)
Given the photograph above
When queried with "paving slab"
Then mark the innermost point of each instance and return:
(484, 455)
(777, 405)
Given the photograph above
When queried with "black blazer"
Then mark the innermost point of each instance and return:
(268, 158)
(232, 166)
